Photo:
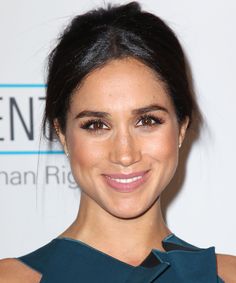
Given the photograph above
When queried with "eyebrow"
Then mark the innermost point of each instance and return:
(139, 111)
(149, 108)
(87, 113)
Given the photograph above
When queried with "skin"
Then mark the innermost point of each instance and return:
(124, 142)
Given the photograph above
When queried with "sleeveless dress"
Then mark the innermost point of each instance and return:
(64, 260)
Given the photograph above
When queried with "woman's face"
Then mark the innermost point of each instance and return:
(123, 138)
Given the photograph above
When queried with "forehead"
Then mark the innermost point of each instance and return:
(120, 85)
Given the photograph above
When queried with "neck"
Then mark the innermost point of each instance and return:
(129, 240)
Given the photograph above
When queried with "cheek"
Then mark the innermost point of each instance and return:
(163, 145)
(84, 151)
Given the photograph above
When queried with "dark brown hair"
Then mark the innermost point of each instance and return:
(115, 32)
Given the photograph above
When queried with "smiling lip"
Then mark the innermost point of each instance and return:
(126, 183)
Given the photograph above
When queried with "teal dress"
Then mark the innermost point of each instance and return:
(65, 260)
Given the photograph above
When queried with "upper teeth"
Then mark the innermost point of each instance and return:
(128, 180)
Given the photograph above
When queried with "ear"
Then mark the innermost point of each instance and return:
(182, 130)
(61, 136)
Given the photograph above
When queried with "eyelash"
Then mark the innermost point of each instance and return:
(157, 120)
(87, 124)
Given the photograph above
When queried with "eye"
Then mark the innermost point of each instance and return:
(94, 125)
(149, 121)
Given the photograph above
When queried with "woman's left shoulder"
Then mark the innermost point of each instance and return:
(226, 265)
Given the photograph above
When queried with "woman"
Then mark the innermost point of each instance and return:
(119, 100)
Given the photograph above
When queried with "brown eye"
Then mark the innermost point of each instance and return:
(98, 125)
(149, 121)
(94, 125)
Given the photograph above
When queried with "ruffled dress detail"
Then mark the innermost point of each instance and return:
(65, 260)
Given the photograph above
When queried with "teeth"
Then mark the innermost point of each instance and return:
(125, 181)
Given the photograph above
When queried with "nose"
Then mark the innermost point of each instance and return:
(125, 149)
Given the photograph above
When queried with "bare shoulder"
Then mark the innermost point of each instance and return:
(226, 265)
(13, 271)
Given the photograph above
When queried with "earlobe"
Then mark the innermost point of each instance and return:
(61, 136)
(182, 130)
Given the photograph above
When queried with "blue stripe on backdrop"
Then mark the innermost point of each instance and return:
(22, 85)
(30, 152)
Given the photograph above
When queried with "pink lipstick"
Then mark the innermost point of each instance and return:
(126, 183)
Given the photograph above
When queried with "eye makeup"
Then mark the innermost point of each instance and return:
(146, 121)
(149, 120)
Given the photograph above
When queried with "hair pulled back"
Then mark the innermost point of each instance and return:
(115, 32)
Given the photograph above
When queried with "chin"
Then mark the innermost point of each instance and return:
(129, 212)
